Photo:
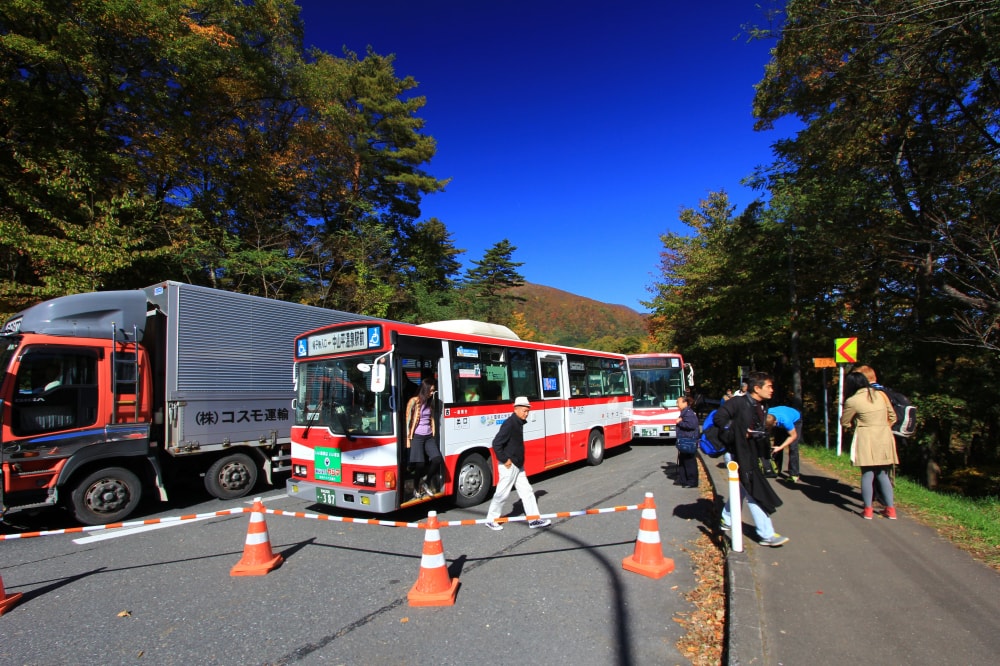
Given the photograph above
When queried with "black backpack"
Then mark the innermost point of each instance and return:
(906, 412)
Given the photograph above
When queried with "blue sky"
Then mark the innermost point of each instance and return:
(576, 129)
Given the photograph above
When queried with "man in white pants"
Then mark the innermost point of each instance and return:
(508, 445)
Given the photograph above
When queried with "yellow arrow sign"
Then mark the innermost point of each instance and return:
(846, 350)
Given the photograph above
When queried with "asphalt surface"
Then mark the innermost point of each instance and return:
(526, 596)
(849, 590)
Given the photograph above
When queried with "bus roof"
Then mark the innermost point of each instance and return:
(471, 327)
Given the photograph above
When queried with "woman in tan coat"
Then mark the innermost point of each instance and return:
(868, 411)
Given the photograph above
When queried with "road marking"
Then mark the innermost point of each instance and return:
(114, 534)
(268, 498)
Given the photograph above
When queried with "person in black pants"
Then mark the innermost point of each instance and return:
(687, 429)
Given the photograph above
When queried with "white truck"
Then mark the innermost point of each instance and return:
(106, 395)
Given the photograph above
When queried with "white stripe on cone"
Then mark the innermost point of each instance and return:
(646, 536)
(256, 539)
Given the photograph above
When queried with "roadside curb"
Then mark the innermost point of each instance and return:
(744, 636)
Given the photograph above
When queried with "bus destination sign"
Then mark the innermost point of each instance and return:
(359, 338)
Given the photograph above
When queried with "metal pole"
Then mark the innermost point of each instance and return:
(840, 409)
(826, 410)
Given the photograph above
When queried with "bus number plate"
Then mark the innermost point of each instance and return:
(650, 432)
(326, 496)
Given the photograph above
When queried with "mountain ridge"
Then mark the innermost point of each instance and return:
(564, 318)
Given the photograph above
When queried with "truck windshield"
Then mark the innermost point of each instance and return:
(336, 394)
(8, 347)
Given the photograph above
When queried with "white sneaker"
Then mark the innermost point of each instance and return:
(541, 522)
(496, 527)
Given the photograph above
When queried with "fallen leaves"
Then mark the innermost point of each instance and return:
(706, 626)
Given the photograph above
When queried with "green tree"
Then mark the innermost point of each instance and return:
(199, 140)
(367, 173)
(485, 291)
(893, 180)
(904, 98)
(430, 267)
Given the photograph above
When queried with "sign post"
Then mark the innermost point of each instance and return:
(825, 363)
(845, 351)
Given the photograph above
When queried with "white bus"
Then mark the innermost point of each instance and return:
(657, 381)
(354, 380)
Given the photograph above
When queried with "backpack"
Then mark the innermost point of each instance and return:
(709, 443)
(906, 413)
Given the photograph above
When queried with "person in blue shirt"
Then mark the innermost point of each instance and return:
(785, 423)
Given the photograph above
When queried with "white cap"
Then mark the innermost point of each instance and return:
(521, 401)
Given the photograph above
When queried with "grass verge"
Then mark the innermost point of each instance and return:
(971, 524)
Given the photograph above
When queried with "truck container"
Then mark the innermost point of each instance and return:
(107, 395)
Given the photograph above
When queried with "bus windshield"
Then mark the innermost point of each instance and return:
(336, 394)
(657, 387)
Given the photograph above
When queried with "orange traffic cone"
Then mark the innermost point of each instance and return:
(433, 586)
(7, 601)
(648, 557)
(258, 559)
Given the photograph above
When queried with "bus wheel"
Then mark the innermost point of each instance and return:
(231, 477)
(595, 448)
(472, 481)
(106, 496)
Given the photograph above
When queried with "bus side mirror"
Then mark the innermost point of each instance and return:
(378, 378)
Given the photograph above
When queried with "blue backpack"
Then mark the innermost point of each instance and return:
(709, 443)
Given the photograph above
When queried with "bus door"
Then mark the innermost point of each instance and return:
(554, 394)
(418, 359)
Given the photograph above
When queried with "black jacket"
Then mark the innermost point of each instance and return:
(740, 413)
(509, 441)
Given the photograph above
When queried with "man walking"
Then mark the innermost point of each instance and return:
(743, 418)
(508, 445)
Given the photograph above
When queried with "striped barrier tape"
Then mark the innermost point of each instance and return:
(451, 523)
(340, 519)
(315, 516)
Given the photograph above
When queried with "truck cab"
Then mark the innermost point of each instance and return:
(76, 393)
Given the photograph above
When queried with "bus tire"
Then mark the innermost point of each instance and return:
(231, 477)
(595, 448)
(106, 496)
(473, 480)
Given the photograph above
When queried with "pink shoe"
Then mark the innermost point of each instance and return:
(890, 512)
(868, 513)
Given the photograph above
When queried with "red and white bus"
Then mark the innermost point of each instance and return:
(657, 381)
(353, 381)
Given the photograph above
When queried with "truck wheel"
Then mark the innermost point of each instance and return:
(231, 477)
(106, 496)
(473, 481)
(595, 448)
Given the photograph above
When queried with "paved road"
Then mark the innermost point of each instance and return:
(848, 590)
(550, 596)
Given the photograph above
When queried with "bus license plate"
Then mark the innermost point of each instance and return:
(326, 496)
(650, 432)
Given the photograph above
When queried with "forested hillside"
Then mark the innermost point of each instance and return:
(567, 319)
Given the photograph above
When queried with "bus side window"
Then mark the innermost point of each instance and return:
(471, 393)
